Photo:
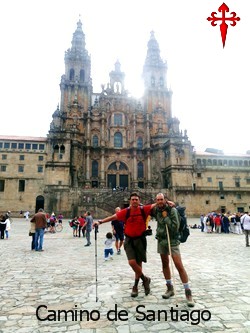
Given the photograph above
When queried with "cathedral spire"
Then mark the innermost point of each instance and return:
(153, 54)
(77, 43)
(77, 59)
(76, 83)
(155, 69)
(78, 40)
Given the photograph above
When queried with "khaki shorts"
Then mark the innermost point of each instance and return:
(136, 249)
(175, 250)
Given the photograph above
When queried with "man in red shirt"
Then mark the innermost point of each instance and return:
(217, 222)
(135, 240)
(81, 221)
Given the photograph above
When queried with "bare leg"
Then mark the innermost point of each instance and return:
(137, 268)
(178, 264)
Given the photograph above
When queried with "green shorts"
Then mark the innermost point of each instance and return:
(136, 248)
(175, 250)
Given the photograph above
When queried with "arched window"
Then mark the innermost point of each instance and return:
(140, 170)
(71, 74)
(139, 142)
(118, 140)
(82, 75)
(62, 149)
(94, 169)
(123, 166)
(112, 166)
(56, 149)
(95, 141)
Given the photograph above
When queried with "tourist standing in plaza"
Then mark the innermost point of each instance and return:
(202, 223)
(118, 232)
(217, 222)
(7, 229)
(89, 225)
(2, 225)
(40, 223)
(32, 233)
(245, 220)
(26, 215)
(135, 243)
(167, 232)
(81, 221)
(238, 229)
(225, 223)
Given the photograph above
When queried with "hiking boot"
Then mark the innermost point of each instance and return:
(146, 284)
(134, 292)
(190, 301)
(169, 292)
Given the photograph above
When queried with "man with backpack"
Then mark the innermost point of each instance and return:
(135, 243)
(167, 234)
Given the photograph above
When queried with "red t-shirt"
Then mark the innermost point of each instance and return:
(135, 225)
(81, 221)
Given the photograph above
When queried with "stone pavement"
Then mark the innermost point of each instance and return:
(64, 278)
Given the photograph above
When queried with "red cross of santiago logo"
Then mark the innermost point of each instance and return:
(223, 26)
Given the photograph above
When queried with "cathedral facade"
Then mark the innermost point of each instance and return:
(100, 146)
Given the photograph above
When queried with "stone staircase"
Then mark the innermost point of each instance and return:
(104, 202)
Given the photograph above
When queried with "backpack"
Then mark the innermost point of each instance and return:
(183, 228)
(142, 213)
(148, 231)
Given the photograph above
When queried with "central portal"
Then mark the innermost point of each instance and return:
(117, 175)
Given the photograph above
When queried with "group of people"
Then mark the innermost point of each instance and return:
(129, 230)
(82, 224)
(135, 243)
(52, 220)
(5, 225)
(235, 223)
(40, 222)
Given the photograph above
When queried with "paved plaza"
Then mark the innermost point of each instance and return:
(37, 289)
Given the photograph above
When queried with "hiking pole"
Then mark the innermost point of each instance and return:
(96, 231)
(172, 266)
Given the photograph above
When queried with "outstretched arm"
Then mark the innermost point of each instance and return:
(107, 219)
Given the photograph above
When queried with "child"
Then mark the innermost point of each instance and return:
(108, 250)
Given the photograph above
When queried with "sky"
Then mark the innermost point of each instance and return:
(210, 83)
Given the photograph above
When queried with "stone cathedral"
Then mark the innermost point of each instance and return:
(102, 145)
(108, 139)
